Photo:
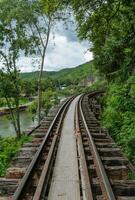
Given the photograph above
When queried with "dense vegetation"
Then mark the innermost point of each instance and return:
(119, 115)
(25, 28)
(110, 27)
(76, 74)
(57, 85)
(8, 148)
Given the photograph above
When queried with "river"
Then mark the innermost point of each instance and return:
(6, 127)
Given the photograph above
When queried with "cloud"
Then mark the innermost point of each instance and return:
(62, 53)
(66, 53)
(25, 64)
(67, 30)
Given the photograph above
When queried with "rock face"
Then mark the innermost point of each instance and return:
(15, 172)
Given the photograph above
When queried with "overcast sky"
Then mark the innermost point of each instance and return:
(64, 51)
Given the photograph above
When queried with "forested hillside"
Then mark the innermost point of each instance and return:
(68, 75)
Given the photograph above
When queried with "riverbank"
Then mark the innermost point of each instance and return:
(11, 146)
(27, 120)
(5, 110)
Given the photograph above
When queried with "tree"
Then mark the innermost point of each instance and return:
(11, 94)
(12, 43)
(28, 87)
(109, 27)
(40, 18)
(49, 99)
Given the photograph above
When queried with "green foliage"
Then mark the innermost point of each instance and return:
(100, 84)
(63, 83)
(13, 41)
(40, 18)
(2, 102)
(9, 85)
(49, 99)
(64, 76)
(8, 148)
(28, 87)
(118, 115)
(109, 26)
(33, 107)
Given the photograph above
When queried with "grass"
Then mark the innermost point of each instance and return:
(8, 149)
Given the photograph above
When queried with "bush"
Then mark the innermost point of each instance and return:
(33, 107)
(2, 102)
(49, 99)
(99, 85)
(119, 116)
(8, 148)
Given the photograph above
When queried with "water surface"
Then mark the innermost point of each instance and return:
(6, 127)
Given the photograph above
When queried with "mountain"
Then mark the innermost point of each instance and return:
(77, 73)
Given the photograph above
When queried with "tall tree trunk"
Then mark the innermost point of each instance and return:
(12, 116)
(39, 101)
(18, 118)
(40, 74)
(17, 98)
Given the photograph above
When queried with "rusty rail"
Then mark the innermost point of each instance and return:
(20, 192)
(104, 181)
(85, 181)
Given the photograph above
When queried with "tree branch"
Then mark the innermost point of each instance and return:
(35, 41)
(40, 36)
(4, 56)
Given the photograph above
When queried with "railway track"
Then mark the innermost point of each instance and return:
(102, 172)
(34, 184)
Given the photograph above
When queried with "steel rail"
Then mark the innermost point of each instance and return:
(23, 184)
(130, 165)
(85, 181)
(104, 181)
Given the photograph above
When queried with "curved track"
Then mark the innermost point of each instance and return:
(103, 169)
(102, 172)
